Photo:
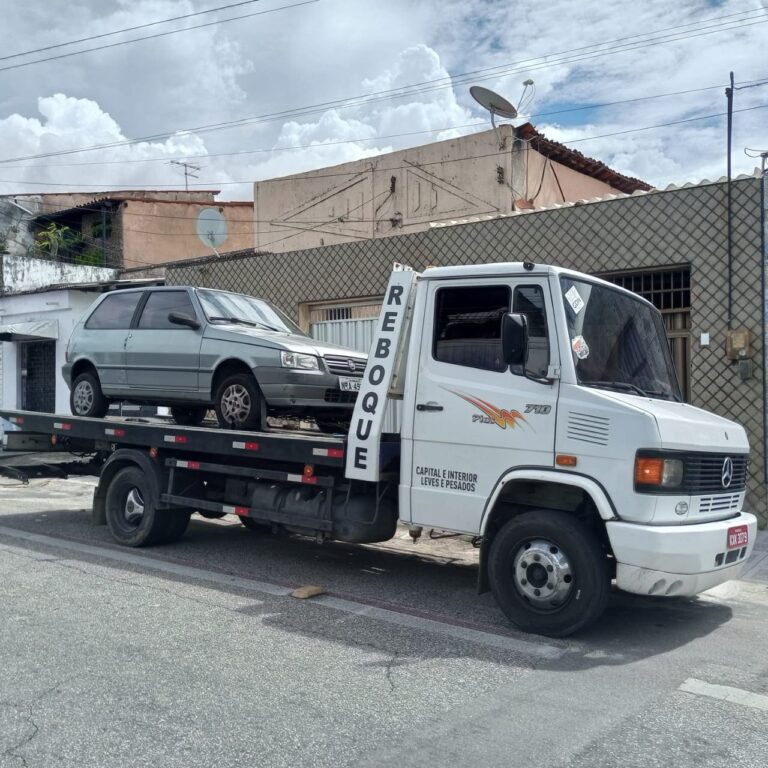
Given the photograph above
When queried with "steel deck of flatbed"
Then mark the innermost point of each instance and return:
(293, 447)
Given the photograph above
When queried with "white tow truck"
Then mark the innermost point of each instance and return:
(540, 412)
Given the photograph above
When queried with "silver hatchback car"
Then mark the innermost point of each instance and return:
(197, 348)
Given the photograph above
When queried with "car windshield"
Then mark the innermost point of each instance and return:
(237, 308)
(618, 341)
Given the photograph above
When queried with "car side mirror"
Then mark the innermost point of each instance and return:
(514, 339)
(179, 318)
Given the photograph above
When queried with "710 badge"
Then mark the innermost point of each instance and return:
(738, 536)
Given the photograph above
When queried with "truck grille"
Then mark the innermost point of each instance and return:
(703, 473)
(345, 366)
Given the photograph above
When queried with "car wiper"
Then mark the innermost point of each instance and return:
(622, 386)
(243, 321)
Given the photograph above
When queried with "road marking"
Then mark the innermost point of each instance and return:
(542, 649)
(725, 693)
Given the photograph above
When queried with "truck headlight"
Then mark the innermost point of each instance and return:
(656, 471)
(296, 360)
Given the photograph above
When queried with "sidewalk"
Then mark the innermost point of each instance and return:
(757, 565)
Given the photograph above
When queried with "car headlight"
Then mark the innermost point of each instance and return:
(296, 360)
(656, 471)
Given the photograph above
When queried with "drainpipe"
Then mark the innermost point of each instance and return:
(764, 265)
(729, 100)
(104, 234)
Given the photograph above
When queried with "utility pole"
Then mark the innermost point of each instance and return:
(729, 100)
(190, 171)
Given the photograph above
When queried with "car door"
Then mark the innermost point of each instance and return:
(103, 336)
(475, 418)
(163, 358)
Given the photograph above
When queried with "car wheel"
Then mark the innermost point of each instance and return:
(239, 403)
(86, 397)
(189, 415)
(549, 573)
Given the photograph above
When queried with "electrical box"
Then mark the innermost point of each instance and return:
(738, 344)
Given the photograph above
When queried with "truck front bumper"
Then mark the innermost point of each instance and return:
(678, 560)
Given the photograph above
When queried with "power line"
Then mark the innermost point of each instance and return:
(382, 137)
(126, 29)
(156, 35)
(418, 88)
(420, 165)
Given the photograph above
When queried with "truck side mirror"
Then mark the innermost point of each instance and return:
(514, 339)
(179, 318)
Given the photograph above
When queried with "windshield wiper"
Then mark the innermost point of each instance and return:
(243, 321)
(622, 386)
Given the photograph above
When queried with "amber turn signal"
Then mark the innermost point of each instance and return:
(565, 460)
(649, 471)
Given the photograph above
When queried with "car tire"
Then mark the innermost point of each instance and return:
(239, 403)
(189, 415)
(549, 573)
(86, 398)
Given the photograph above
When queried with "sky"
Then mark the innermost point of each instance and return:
(314, 83)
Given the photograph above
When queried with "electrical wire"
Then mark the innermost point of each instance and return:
(127, 29)
(156, 35)
(402, 167)
(418, 88)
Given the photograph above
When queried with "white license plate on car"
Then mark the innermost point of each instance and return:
(738, 536)
(346, 384)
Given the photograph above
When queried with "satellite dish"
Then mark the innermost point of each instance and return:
(495, 104)
(211, 227)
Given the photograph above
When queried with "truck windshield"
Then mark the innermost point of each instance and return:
(238, 308)
(618, 342)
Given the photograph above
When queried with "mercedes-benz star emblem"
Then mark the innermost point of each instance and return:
(726, 476)
(351, 364)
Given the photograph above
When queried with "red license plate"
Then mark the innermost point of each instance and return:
(738, 536)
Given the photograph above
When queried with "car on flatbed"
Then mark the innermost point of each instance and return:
(195, 348)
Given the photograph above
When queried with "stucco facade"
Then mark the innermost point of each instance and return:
(403, 192)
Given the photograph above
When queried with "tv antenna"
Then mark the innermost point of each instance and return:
(190, 171)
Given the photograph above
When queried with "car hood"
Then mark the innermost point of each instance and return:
(289, 342)
(685, 427)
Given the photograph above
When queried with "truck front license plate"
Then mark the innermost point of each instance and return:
(349, 385)
(738, 536)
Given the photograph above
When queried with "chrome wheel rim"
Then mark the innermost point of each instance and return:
(133, 510)
(83, 397)
(235, 404)
(542, 574)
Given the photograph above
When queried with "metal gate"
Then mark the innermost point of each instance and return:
(669, 290)
(353, 326)
(38, 376)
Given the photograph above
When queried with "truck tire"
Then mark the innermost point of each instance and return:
(189, 415)
(549, 573)
(131, 511)
(86, 398)
(178, 522)
(239, 403)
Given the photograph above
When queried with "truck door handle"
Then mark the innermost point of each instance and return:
(429, 407)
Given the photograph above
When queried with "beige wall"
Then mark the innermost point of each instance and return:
(155, 232)
(402, 192)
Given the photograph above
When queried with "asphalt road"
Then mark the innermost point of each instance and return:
(195, 654)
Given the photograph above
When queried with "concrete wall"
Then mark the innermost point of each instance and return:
(66, 307)
(22, 273)
(402, 192)
(155, 232)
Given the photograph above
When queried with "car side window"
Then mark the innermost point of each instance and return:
(115, 312)
(468, 326)
(529, 301)
(160, 304)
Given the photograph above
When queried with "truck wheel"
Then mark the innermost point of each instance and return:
(549, 573)
(131, 513)
(178, 522)
(239, 403)
(86, 397)
(189, 415)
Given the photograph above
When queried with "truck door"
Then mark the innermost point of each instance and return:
(474, 418)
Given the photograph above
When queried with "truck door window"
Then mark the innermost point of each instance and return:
(160, 304)
(468, 326)
(529, 301)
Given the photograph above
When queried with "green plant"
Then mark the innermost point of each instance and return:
(58, 241)
(90, 257)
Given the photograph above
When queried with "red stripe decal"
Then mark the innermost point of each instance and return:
(251, 446)
(193, 465)
(311, 480)
(242, 511)
(336, 453)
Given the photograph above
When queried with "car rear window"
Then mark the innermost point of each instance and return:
(116, 311)
(160, 304)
